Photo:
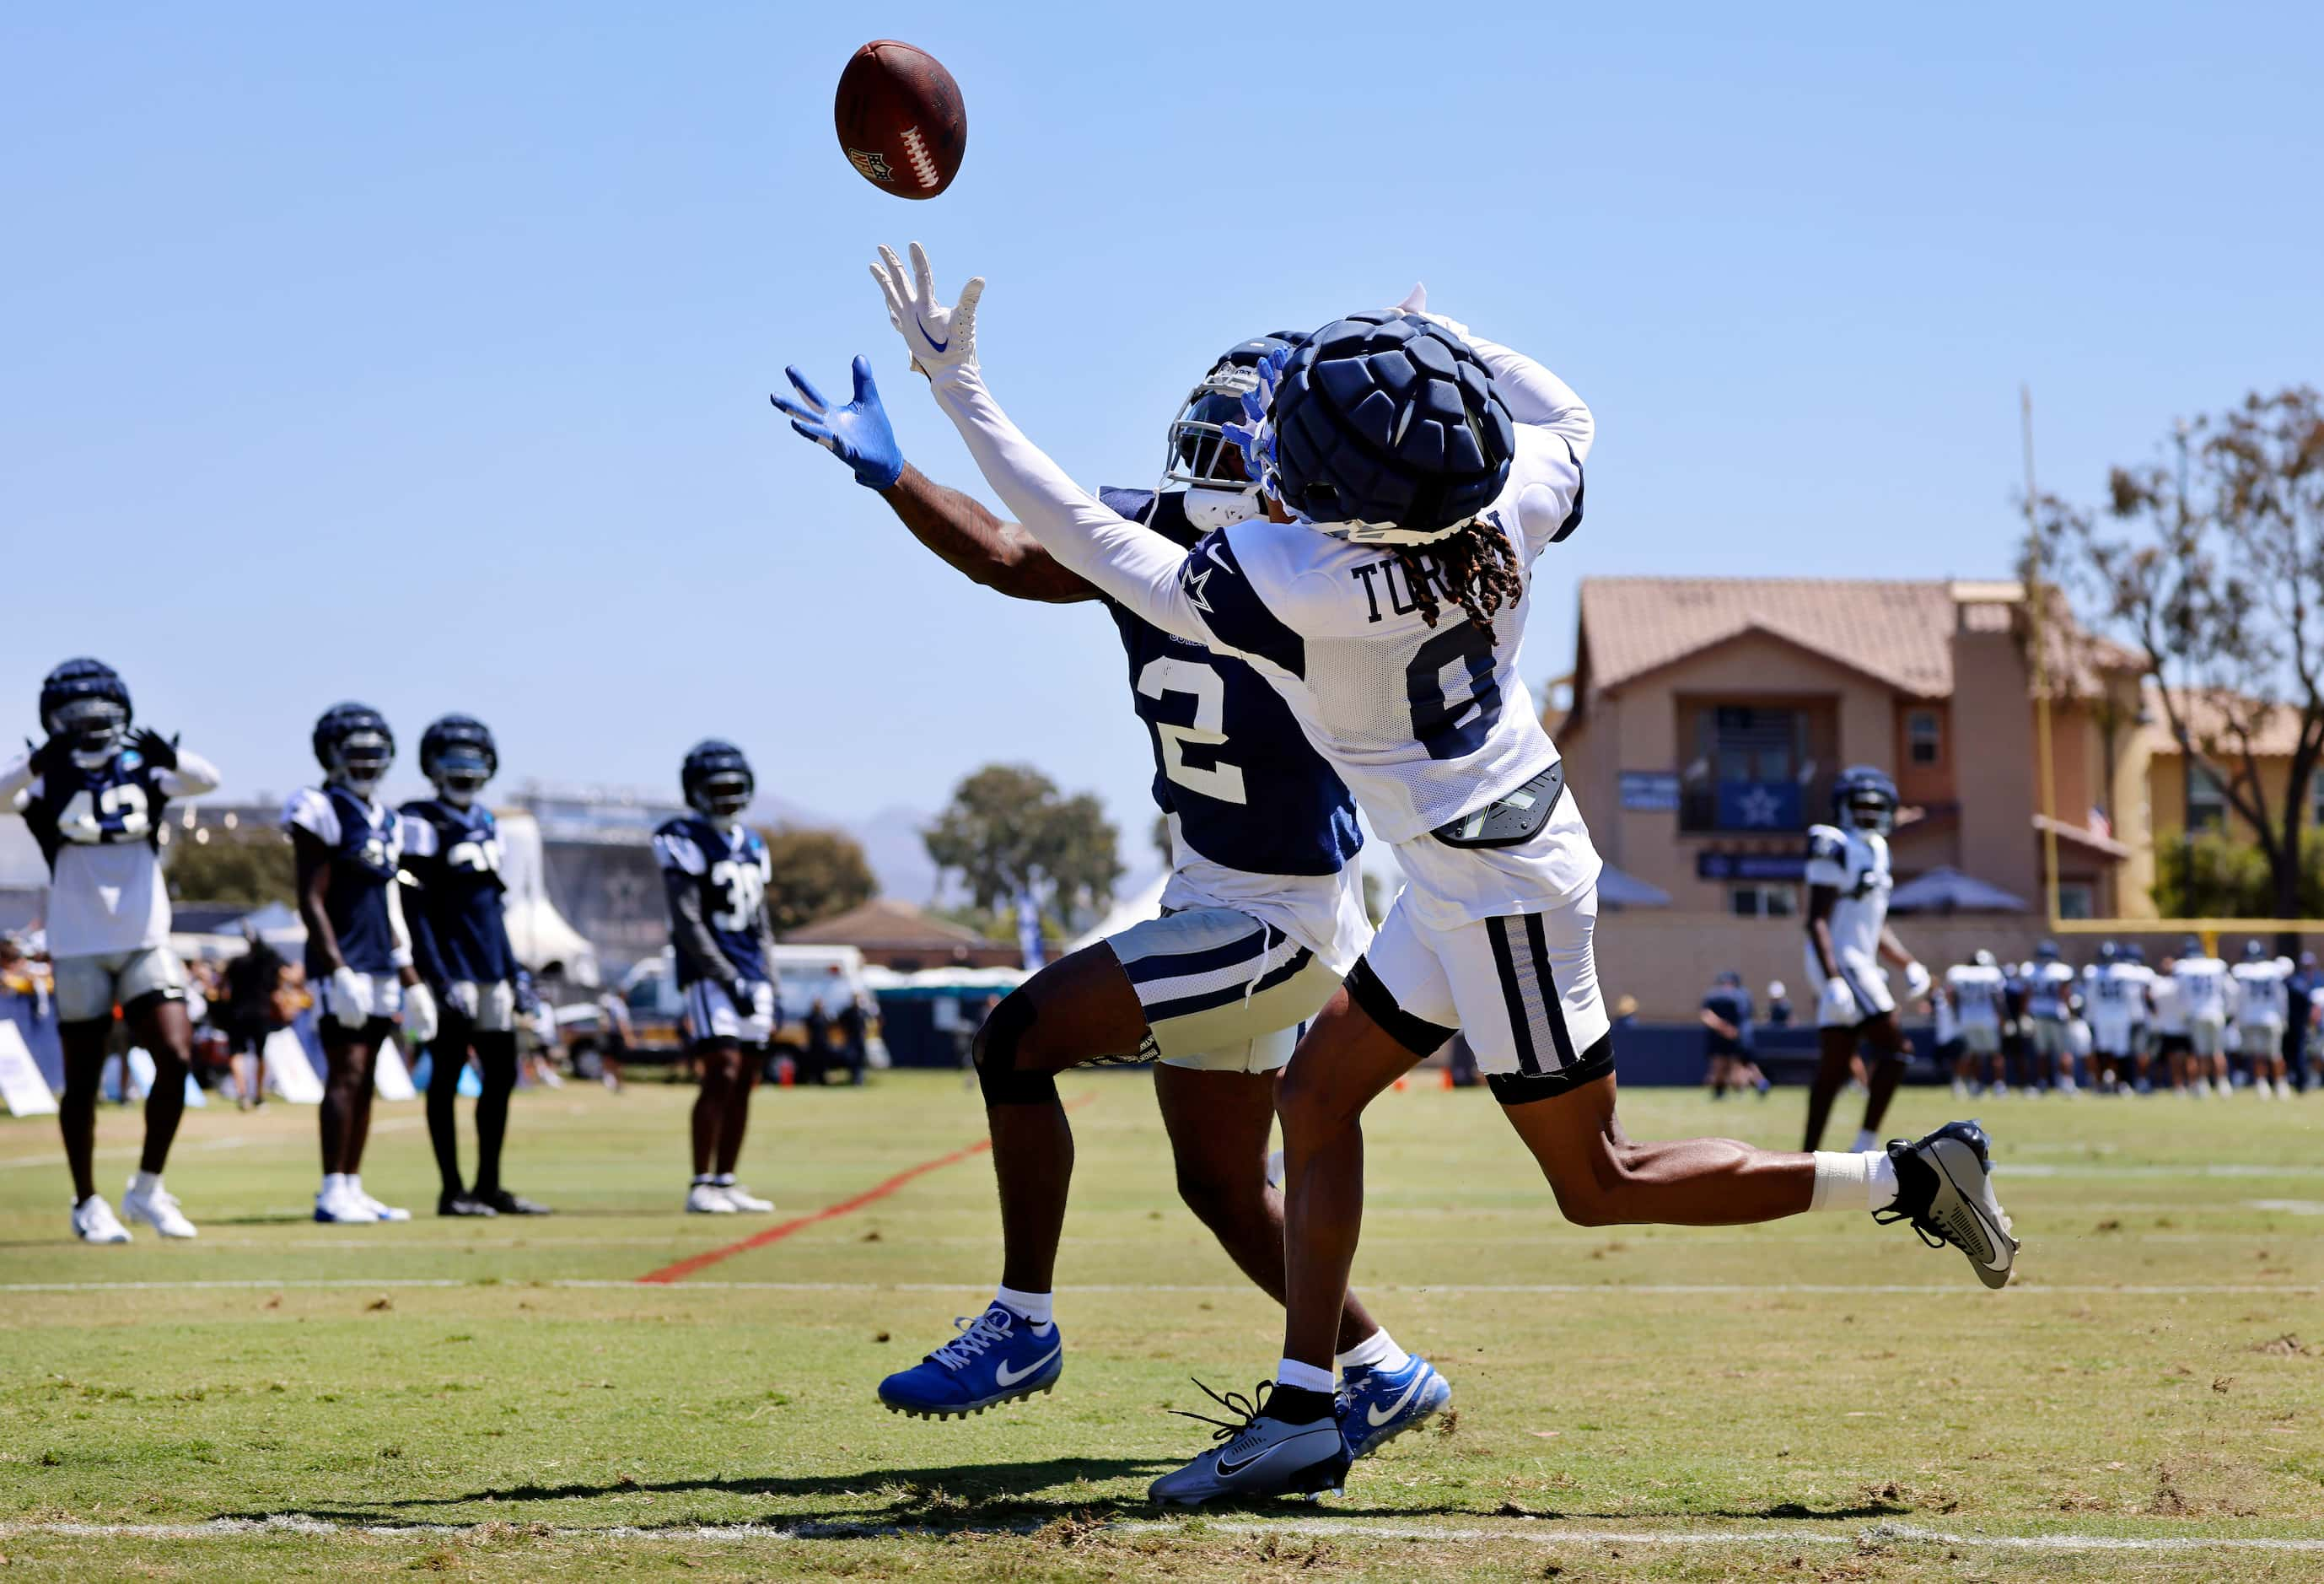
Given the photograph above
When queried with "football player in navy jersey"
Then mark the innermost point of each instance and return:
(349, 846)
(93, 792)
(1262, 915)
(460, 947)
(1413, 476)
(715, 871)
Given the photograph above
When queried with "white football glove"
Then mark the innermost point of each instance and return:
(420, 1019)
(1916, 981)
(350, 997)
(1415, 301)
(939, 337)
(1837, 1005)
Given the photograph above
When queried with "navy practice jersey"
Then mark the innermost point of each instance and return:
(96, 830)
(459, 929)
(365, 840)
(731, 875)
(1734, 1006)
(1229, 759)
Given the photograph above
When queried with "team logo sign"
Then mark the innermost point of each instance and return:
(872, 164)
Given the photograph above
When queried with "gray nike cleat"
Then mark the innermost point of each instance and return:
(1944, 1187)
(1258, 1456)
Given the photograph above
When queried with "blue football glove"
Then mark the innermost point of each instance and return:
(857, 434)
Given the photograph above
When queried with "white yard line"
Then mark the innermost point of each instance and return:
(232, 1141)
(1549, 1288)
(1539, 1534)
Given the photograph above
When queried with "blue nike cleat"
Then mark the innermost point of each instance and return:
(1378, 1405)
(996, 1359)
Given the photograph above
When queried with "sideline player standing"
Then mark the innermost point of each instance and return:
(715, 872)
(1847, 938)
(1727, 1035)
(2114, 995)
(1388, 616)
(92, 793)
(348, 846)
(1262, 917)
(2204, 1006)
(459, 939)
(2262, 1006)
(1975, 990)
(2050, 1008)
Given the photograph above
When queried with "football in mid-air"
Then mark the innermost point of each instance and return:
(901, 119)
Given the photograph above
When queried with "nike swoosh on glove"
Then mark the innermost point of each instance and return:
(857, 434)
(938, 337)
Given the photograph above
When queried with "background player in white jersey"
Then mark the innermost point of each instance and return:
(2262, 1006)
(2114, 999)
(1975, 990)
(1847, 939)
(1411, 477)
(2169, 1025)
(350, 848)
(2206, 1005)
(1262, 917)
(92, 795)
(2050, 1012)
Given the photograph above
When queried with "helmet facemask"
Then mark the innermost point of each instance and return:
(721, 795)
(460, 773)
(359, 761)
(1868, 809)
(94, 727)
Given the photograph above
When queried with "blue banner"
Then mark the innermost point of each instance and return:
(1759, 805)
(1650, 792)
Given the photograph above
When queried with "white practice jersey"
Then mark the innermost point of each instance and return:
(1855, 864)
(105, 892)
(2204, 989)
(2262, 998)
(2048, 990)
(1425, 724)
(2113, 996)
(1948, 1020)
(1977, 994)
(2169, 1008)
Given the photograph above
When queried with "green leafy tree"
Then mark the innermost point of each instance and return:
(253, 866)
(2211, 876)
(818, 872)
(1009, 830)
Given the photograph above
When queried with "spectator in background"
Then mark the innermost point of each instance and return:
(256, 1004)
(816, 1027)
(847, 1020)
(1728, 1037)
(24, 975)
(1779, 1006)
(613, 1039)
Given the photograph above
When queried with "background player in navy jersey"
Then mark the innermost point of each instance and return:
(349, 846)
(715, 871)
(460, 946)
(1262, 915)
(93, 793)
(1413, 476)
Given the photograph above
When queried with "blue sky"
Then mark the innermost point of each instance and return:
(421, 355)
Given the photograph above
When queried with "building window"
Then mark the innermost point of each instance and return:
(1762, 899)
(2207, 800)
(2077, 899)
(1924, 738)
(1747, 771)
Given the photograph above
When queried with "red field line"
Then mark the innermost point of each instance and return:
(782, 1229)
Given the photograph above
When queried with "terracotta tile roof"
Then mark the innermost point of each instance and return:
(890, 924)
(1900, 633)
(2208, 715)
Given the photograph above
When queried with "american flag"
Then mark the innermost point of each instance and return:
(2099, 824)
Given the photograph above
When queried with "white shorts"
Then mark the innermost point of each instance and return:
(1856, 998)
(489, 1008)
(2206, 1036)
(2260, 1039)
(2111, 1039)
(1980, 1039)
(376, 995)
(89, 988)
(710, 1014)
(1524, 989)
(1224, 992)
(2045, 1035)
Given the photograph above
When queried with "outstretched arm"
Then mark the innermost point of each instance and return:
(1000, 555)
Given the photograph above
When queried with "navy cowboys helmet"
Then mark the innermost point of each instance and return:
(1864, 799)
(355, 746)
(1387, 431)
(717, 780)
(2255, 951)
(1983, 958)
(1200, 456)
(86, 702)
(2108, 951)
(457, 755)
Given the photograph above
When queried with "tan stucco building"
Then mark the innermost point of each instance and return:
(1707, 718)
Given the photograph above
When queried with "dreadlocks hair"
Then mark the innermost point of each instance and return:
(1476, 568)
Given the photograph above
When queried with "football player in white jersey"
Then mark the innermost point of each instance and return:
(92, 795)
(1847, 938)
(2206, 1005)
(2050, 1013)
(2169, 1025)
(1412, 475)
(2114, 998)
(1975, 990)
(2261, 1007)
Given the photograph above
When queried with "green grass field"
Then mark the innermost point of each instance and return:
(1819, 1399)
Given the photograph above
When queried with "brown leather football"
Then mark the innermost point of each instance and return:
(901, 119)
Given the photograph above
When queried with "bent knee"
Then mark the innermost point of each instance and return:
(1217, 1199)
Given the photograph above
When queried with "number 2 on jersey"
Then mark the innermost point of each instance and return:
(122, 806)
(1202, 683)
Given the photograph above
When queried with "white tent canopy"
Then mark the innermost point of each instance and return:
(539, 933)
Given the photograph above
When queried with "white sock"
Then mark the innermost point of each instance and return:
(1377, 1351)
(334, 1183)
(1865, 1140)
(144, 1183)
(1033, 1306)
(702, 1180)
(354, 1180)
(1305, 1378)
(723, 1179)
(1864, 1180)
